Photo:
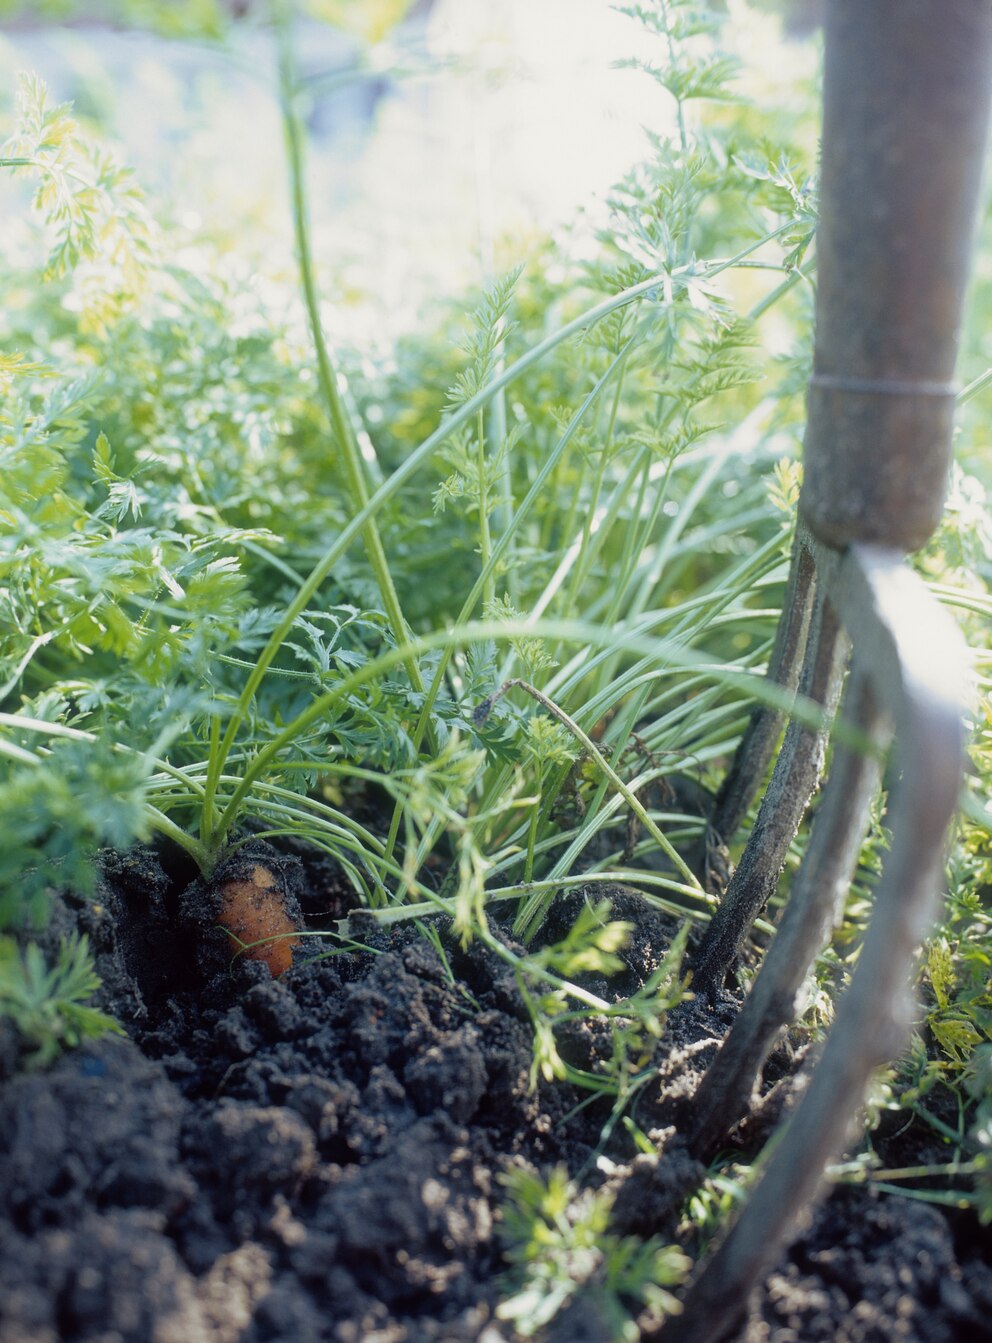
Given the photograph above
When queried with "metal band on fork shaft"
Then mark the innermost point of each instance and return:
(832, 382)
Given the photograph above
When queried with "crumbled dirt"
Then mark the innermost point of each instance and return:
(318, 1157)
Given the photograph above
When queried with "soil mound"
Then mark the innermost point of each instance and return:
(318, 1157)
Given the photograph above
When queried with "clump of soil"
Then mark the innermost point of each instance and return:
(316, 1157)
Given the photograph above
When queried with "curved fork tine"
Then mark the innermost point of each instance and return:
(796, 774)
(754, 754)
(814, 908)
(914, 657)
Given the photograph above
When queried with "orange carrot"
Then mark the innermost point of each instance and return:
(253, 909)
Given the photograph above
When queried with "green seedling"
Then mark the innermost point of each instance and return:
(47, 1003)
(560, 1249)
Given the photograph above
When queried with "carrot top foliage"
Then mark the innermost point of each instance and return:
(232, 595)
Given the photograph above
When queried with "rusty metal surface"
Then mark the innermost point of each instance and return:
(815, 907)
(796, 774)
(757, 747)
(910, 658)
(906, 96)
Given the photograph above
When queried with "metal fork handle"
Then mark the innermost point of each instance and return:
(906, 98)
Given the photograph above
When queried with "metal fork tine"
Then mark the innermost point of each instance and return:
(914, 659)
(757, 746)
(815, 907)
(795, 776)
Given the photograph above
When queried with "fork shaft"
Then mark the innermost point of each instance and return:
(906, 102)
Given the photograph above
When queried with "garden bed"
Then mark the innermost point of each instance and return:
(324, 1156)
(469, 626)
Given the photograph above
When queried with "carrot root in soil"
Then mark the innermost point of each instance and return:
(254, 916)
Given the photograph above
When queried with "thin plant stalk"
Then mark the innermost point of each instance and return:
(485, 540)
(326, 373)
(584, 557)
(593, 751)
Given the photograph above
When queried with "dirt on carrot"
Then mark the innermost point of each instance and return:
(253, 914)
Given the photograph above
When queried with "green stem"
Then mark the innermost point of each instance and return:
(791, 280)
(584, 558)
(501, 547)
(975, 386)
(594, 752)
(679, 107)
(535, 816)
(935, 1122)
(326, 373)
(200, 854)
(485, 547)
(208, 812)
(631, 549)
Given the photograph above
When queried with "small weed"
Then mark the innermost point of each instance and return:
(561, 1250)
(46, 1003)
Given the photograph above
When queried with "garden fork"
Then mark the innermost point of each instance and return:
(905, 112)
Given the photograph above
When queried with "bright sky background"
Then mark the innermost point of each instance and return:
(520, 125)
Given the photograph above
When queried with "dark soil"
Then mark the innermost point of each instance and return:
(319, 1157)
